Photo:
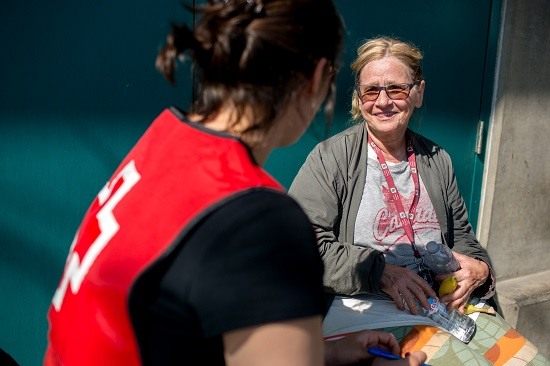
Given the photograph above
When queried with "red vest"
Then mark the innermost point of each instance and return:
(175, 172)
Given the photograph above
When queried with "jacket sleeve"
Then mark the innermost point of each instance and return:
(320, 188)
(462, 235)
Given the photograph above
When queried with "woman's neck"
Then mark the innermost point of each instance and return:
(394, 148)
(224, 121)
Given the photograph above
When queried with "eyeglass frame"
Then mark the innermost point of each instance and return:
(384, 88)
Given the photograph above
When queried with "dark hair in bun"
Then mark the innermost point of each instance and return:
(254, 53)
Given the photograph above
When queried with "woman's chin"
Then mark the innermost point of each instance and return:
(387, 127)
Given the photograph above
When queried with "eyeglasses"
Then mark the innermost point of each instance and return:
(369, 93)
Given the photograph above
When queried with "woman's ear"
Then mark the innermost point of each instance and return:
(420, 94)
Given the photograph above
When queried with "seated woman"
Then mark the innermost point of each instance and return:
(377, 194)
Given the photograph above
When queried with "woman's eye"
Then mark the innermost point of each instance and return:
(396, 88)
(371, 90)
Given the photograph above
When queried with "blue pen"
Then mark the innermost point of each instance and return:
(379, 352)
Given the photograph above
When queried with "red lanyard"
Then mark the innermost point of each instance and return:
(406, 218)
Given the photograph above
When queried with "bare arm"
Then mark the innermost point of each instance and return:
(299, 342)
(294, 342)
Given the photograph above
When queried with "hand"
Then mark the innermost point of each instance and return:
(472, 274)
(352, 348)
(415, 358)
(404, 285)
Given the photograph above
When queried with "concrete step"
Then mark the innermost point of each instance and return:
(525, 304)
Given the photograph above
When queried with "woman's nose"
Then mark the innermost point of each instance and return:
(383, 99)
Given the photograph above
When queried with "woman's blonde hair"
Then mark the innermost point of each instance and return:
(378, 48)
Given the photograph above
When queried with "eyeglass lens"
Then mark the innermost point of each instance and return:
(393, 91)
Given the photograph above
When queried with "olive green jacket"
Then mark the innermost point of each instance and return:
(329, 187)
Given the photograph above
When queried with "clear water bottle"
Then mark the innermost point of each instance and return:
(440, 258)
(459, 325)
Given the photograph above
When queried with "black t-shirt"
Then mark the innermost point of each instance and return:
(252, 261)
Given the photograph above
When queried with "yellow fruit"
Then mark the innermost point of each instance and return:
(448, 285)
(469, 309)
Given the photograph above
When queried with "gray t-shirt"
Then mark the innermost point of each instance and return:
(378, 226)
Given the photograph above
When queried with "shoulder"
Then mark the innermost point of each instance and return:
(263, 219)
(262, 206)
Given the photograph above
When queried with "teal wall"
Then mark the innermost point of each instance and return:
(459, 41)
(78, 88)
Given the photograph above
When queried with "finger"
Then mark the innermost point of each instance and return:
(422, 296)
(457, 301)
(388, 341)
(427, 290)
(441, 277)
(459, 308)
(460, 292)
(457, 304)
(397, 299)
(412, 302)
(411, 359)
(458, 274)
(395, 348)
(451, 305)
(416, 358)
(425, 303)
(422, 291)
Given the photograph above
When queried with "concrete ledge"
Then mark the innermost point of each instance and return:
(525, 304)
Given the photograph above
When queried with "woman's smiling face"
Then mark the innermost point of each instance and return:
(385, 117)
